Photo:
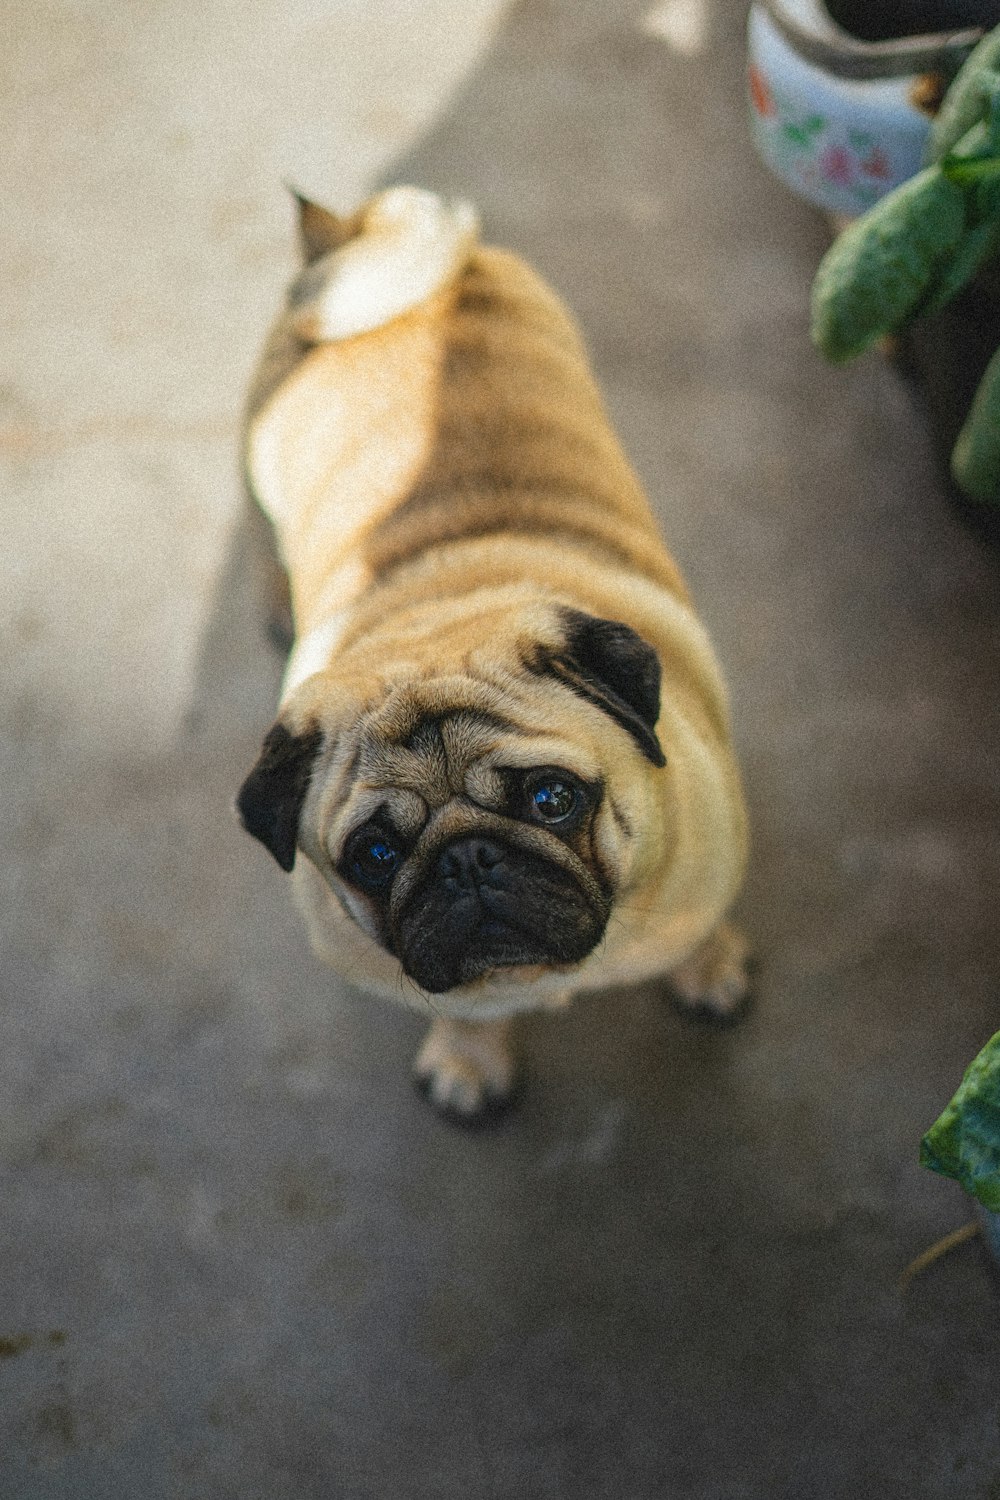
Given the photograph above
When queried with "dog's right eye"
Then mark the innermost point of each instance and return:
(372, 859)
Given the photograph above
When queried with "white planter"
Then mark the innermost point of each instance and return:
(833, 115)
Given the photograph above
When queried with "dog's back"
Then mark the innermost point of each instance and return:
(465, 414)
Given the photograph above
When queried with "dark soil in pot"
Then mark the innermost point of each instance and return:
(886, 20)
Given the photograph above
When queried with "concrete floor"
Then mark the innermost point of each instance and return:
(239, 1259)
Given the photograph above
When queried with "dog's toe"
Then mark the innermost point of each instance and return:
(721, 1008)
(463, 1102)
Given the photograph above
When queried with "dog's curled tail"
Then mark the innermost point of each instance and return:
(407, 244)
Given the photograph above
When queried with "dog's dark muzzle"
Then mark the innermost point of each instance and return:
(484, 906)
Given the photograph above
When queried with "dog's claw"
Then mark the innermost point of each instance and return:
(709, 1013)
(473, 1111)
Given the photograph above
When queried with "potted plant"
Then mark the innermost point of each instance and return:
(910, 255)
(964, 1142)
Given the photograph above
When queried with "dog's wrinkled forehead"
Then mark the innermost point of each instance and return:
(427, 752)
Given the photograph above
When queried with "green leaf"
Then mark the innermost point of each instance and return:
(975, 458)
(964, 1142)
(975, 247)
(959, 169)
(968, 100)
(877, 274)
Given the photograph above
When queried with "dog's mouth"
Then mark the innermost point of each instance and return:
(484, 909)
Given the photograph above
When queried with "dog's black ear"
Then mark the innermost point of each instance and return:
(321, 230)
(270, 800)
(610, 665)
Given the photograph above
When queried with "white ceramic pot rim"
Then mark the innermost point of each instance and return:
(834, 50)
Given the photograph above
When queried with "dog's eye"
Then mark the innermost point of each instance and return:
(553, 799)
(372, 859)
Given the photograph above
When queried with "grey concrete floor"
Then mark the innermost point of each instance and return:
(240, 1260)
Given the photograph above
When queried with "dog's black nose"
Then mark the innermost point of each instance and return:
(469, 861)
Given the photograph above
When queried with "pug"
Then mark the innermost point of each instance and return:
(501, 772)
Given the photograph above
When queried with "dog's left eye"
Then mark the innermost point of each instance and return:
(372, 859)
(553, 799)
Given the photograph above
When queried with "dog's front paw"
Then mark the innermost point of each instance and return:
(714, 984)
(466, 1069)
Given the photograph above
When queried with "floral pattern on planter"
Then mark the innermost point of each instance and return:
(841, 144)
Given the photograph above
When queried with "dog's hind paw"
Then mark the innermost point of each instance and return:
(465, 1069)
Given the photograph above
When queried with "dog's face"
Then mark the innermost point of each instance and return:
(476, 808)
